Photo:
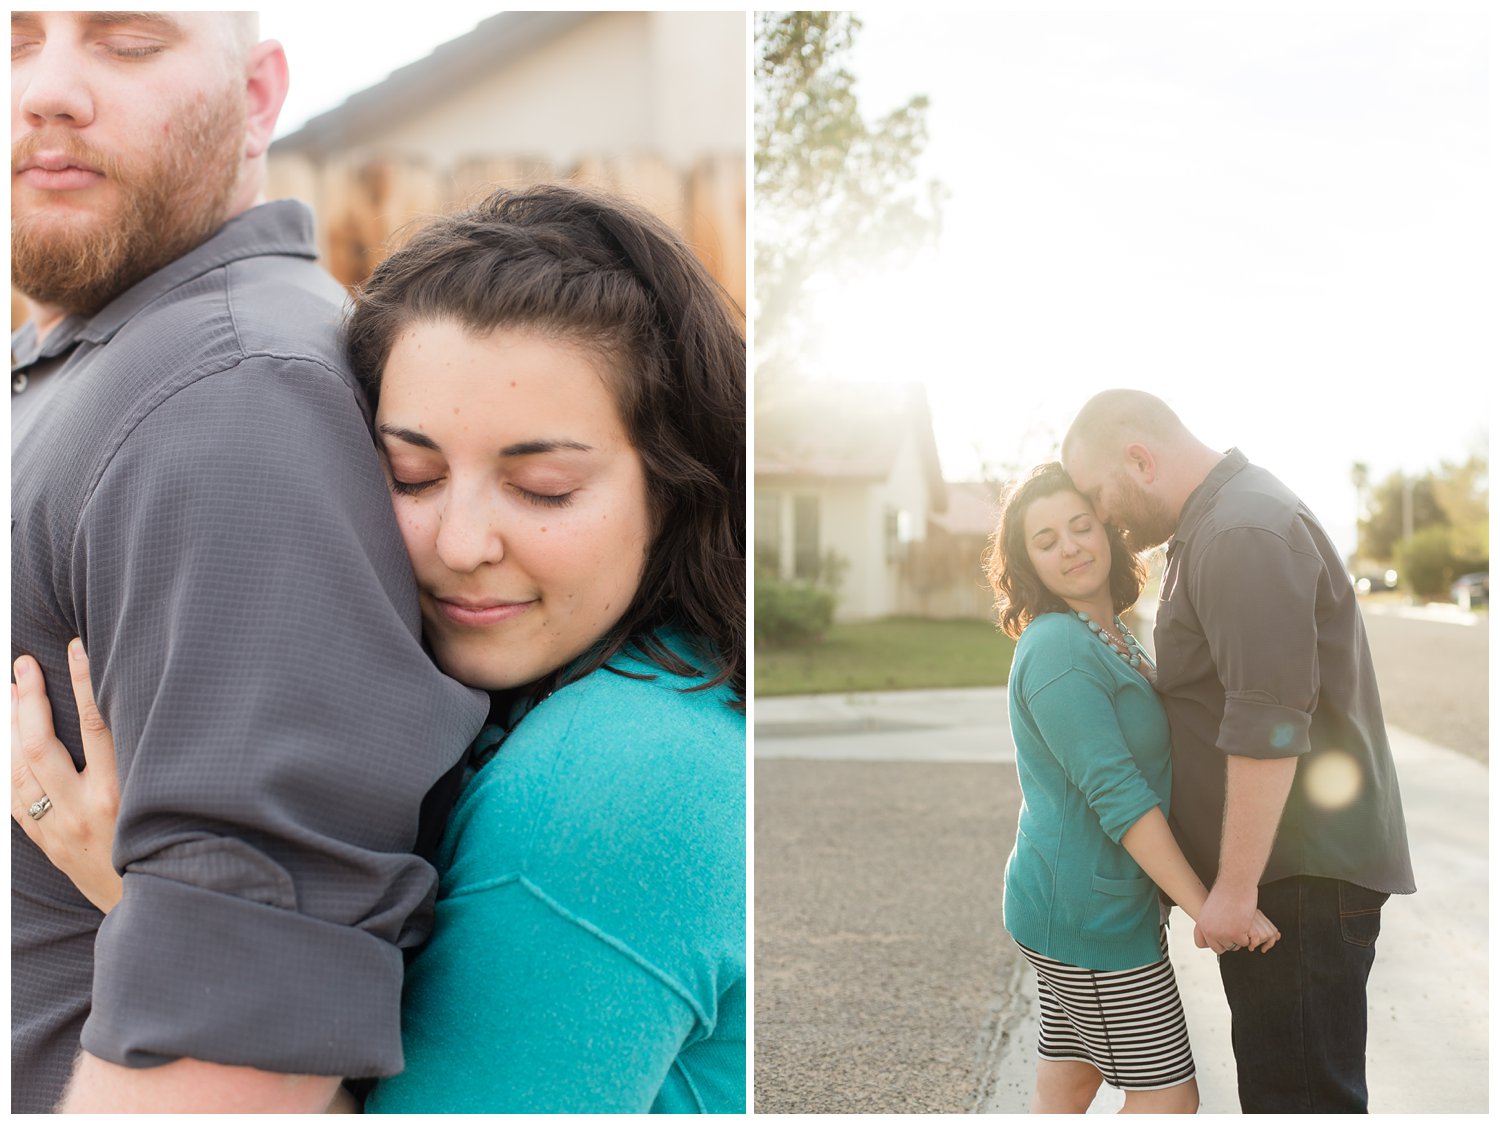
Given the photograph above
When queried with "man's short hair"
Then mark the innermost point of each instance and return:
(244, 31)
(1118, 417)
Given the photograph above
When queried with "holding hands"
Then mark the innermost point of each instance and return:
(1229, 921)
(68, 813)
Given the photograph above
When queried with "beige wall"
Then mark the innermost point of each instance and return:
(666, 83)
(852, 524)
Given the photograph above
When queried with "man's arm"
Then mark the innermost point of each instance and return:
(191, 1086)
(1256, 595)
(251, 627)
(1255, 794)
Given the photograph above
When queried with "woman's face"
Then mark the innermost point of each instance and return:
(1067, 545)
(518, 493)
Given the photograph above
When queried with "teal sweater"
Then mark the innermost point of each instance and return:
(589, 950)
(1094, 755)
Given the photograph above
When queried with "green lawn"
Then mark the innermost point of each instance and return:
(893, 654)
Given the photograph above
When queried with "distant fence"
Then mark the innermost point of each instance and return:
(943, 576)
(363, 207)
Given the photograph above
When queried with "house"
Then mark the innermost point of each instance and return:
(649, 104)
(846, 472)
(944, 576)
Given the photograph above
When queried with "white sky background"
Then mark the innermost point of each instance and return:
(1279, 222)
(333, 52)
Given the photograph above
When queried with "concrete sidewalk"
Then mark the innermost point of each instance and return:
(1429, 991)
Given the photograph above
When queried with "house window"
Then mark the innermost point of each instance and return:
(768, 533)
(898, 534)
(806, 551)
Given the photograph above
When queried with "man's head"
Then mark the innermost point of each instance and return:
(1133, 459)
(134, 136)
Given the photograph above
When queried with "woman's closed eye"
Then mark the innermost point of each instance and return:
(545, 499)
(412, 487)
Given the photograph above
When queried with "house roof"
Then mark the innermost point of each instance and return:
(831, 428)
(493, 44)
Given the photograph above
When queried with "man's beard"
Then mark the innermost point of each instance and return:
(77, 261)
(1143, 520)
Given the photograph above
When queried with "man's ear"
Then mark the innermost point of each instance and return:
(1141, 461)
(266, 82)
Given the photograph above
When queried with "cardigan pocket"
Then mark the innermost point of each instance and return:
(1116, 907)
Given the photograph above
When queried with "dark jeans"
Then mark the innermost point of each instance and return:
(1298, 1012)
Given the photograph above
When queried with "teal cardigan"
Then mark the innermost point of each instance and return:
(1094, 755)
(589, 949)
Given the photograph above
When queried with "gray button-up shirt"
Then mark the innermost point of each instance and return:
(195, 493)
(1262, 653)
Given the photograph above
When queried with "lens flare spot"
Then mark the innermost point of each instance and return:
(1333, 780)
(1282, 735)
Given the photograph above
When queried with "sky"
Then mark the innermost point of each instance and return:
(332, 54)
(1279, 222)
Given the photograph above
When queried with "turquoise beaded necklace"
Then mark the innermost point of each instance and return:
(1134, 654)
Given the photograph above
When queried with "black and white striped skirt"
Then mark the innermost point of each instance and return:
(1127, 1024)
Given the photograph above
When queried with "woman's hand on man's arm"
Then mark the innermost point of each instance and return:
(77, 829)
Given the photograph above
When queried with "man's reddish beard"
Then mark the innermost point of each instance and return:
(1144, 520)
(164, 206)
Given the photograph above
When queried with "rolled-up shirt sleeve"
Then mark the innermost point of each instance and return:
(1256, 594)
(1075, 714)
(250, 617)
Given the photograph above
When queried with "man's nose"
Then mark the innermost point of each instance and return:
(51, 87)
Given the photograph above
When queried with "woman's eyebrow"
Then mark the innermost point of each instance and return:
(411, 437)
(526, 448)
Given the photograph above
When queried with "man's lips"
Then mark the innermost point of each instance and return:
(57, 171)
(477, 614)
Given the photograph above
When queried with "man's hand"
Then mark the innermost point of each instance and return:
(1225, 920)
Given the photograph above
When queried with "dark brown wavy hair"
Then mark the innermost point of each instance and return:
(1020, 596)
(604, 274)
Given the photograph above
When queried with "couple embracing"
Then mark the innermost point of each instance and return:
(1244, 775)
(401, 645)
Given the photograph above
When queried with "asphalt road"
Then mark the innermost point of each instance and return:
(879, 952)
(1434, 678)
(884, 981)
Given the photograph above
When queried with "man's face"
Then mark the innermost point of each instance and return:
(1119, 499)
(127, 144)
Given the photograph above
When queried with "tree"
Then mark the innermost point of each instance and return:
(1384, 526)
(834, 194)
(1435, 526)
(1462, 491)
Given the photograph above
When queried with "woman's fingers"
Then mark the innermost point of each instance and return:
(24, 788)
(98, 743)
(47, 758)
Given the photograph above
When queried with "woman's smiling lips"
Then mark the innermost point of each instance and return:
(478, 614)
(1078, 566)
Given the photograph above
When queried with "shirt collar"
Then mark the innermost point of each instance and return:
(284, 227)
(1200, 498)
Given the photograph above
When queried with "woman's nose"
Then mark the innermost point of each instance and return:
(469, 532)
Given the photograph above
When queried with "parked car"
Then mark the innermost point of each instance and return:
(1370, 581)
(1472, 590)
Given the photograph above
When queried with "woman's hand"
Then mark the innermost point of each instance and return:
(1263, 933)
(77, 828)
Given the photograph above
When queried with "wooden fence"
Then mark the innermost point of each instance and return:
(362, 208)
